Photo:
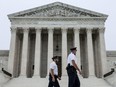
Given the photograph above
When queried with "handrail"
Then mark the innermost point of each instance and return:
(109, 73)
(6, 72)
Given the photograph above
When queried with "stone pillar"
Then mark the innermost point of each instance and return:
(102, 51)
(24, 52)
(12, 50)
(64, 51)
(50, 47)
(77, 44)
(37, 52)
(90, 52)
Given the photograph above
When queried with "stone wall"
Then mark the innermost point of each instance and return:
(4, 58)
(111, 59)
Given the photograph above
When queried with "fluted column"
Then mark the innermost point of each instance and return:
(50, 47)
(102, 51)
(64, 50)
(90, 52)
(12, 50)
(77, 44)
(37, 52)
(24, 52)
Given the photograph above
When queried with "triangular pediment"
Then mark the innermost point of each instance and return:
(57, 9)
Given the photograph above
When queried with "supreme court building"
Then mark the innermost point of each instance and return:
(40, 33)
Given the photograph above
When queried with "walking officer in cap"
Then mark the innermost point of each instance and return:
(53, 73)
(73, 80)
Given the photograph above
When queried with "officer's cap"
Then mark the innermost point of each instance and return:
(73, 48)
(54, 57)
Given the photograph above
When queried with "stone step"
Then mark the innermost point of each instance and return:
(43, 82)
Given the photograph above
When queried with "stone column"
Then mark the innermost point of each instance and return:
(50, 47)
(77, 44)
(12, 50)
(37, 52)
(102, 51)
(24, 52)
(64, 51)
(90, 52)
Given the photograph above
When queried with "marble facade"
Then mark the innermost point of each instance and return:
(36, 33)
(40, 33)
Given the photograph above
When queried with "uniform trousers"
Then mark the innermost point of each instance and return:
(73, 77)
(53, 84)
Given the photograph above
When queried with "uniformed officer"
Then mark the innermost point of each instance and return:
(71, 69)
(53, 73)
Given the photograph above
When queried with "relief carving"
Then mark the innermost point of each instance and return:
(57, 11)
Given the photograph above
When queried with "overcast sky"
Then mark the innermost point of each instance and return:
(102, 6)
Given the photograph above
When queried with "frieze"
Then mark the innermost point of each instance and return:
(54, 22)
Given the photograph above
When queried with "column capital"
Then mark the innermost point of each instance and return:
(13, 29)
(89, 27)
(64, 29)
(101, 30)
(76, 29)
(38, 29)
(89, 30)
(50, 27)
(50, 30)
(25, 29)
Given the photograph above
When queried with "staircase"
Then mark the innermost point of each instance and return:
(43, 82)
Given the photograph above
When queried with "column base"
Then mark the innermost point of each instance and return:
(36, 76)
(22, 76)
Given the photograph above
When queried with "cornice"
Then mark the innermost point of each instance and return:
(60, 18)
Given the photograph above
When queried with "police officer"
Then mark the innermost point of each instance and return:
(53, 73)
(72, 69)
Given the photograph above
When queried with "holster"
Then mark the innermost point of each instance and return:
(70, 68)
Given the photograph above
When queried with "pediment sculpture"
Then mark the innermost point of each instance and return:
(56, 11)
